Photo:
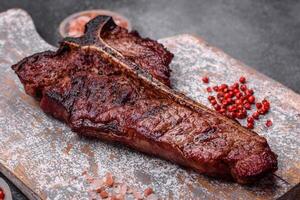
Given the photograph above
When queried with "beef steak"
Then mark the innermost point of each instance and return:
(113, 85)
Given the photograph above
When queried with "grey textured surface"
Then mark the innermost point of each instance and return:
(264, 34)
(33, 151)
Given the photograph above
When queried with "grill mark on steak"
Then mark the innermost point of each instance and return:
(206, 135)
(153, 111)
(99, 92)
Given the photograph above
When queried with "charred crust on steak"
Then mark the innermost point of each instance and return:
(102, 91)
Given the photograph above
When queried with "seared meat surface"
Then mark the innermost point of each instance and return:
(147, 53)
(102, 91)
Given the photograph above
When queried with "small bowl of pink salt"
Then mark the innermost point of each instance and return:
(74, 25)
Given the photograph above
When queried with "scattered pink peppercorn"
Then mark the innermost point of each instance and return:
(205, 79)
(209, 89)
(234, 100)
(242, 79)
(269, 123)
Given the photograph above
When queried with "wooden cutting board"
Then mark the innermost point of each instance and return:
(48, 161)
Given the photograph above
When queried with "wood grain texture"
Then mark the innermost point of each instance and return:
(47, 161)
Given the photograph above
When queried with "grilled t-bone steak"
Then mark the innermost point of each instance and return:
(112, 85)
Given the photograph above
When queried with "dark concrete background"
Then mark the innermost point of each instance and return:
(264, 34)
